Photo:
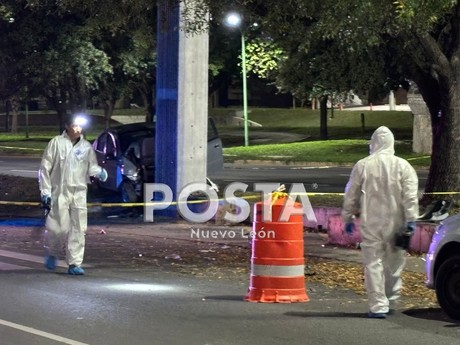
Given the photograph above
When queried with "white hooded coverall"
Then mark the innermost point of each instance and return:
(383, 190)
(64, 173)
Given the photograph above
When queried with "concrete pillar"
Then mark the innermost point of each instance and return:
(182, 102)
(422, 134)
(392, 101)
(193, 108)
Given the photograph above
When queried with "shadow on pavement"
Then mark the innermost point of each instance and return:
(433, 314)
(238, 298)
(326, 314)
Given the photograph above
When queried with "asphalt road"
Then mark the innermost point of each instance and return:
(144, 305)
(19, 166)
(323, 179)
(319, 179)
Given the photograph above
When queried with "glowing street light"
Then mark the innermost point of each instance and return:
(234, 20)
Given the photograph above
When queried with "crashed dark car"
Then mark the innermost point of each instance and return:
(127, 153)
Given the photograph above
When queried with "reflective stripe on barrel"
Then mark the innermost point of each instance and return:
(277, 271)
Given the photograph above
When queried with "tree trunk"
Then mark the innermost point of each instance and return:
(61, 113)
(149, 102)
(445, 165)
(323, 118)
(109, 105)
(15, 110)
(7, 116)
(60, 108)
(437, 78)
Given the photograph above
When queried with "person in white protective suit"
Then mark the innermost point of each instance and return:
(66, 166)
(383, 190)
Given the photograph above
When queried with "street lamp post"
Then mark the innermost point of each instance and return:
(234, 20)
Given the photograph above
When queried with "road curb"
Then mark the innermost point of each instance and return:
(254, 162)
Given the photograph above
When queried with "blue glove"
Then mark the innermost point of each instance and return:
(46, 201)
(103, 176)
(411, 227)
(349, 228)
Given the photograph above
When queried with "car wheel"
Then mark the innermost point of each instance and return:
(448, 287)
(128, 192)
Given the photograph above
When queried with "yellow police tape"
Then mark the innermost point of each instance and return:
(19, 148)
(137, 204)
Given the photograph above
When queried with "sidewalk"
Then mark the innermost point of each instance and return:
(316, 244)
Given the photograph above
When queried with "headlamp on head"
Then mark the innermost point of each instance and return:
(80, 120)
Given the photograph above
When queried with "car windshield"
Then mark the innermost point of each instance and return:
(128, 138)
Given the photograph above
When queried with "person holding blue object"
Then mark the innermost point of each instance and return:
(66, 166)
(383, 191)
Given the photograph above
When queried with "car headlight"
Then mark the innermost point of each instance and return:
(130, 171)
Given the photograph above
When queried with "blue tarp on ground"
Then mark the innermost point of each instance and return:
(36, 222)
(22, 222)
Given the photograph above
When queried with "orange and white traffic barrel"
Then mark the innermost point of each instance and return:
(277, 260)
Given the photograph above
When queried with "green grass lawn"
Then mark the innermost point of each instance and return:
(330, 151)
(348, 138)
(344, 125)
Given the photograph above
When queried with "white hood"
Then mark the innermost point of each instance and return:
(382, 141)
